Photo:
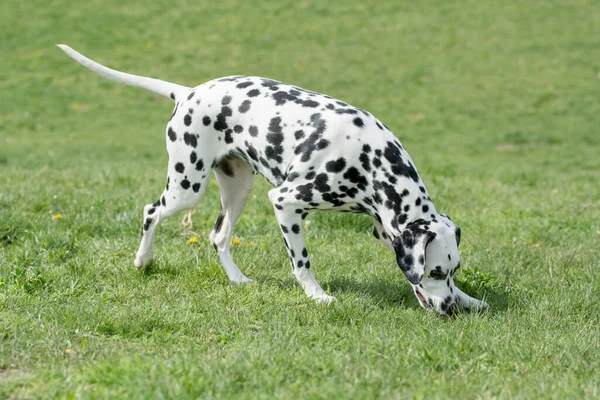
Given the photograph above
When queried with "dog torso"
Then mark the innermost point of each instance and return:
(329, 154)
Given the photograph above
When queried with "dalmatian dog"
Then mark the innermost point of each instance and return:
(319, 153)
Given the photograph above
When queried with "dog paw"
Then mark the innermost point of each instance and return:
(142, 262)
(243, 280)
(325, 299)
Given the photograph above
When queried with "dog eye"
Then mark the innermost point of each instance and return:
(438, 274)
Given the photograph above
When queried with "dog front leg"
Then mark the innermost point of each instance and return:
(290, 222)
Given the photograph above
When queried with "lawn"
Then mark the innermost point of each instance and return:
(498, 104)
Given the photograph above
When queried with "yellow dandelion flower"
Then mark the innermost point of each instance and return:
(248, 244)
(57, 217)
(235, 241)
(192, 240)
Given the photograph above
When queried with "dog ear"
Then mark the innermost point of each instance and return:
(457, 233)
(410, 252)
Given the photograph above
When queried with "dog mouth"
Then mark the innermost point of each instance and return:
(421, 298)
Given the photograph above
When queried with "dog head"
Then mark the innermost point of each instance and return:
(427, 253)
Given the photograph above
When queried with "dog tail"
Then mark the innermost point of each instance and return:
(163, 88)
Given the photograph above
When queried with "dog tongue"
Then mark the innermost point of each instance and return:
(420, 297)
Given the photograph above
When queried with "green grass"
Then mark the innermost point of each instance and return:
(499, 106)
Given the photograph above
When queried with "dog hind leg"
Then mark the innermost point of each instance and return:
(235, 179)
(185, 187)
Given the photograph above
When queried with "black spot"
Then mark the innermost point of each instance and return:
(335, 166)
(379, 125)
(187, 120)
(291, 177)
(282, 97)
(191, 95)
(172, 135)
(206, 120)
(425, 208)
(299, 134)
(296, 229)
(244, 84)
(375, 233)
(219, 222)
(402, 218)
(228, 136)
(284, 228)
(358, 122)
(322, 144)
(226, 100)
(238, 129)
(310, 175)
(190, 139)
(245, 106)
(199, 165)
(221, 122)
(300, 263)
(307, 264)
(354, 176)
(305, 192)
(418, 202)
(310, 104)
(365, 162)
(193, 157)
(163, 201)
(346, 111)
(422, 259)
(179, 167)
(377, 198)
(185, 184)
(253, 93)
(270, 82)
(275, 138)
(391, 178)
(251, 151)
(147, 223)
(253, 130)
(321, 183)
(151, 211)
(172, 96)
(196, 187)
(308, 146)
(393, 155)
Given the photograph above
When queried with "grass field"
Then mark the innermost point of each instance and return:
(498, 104)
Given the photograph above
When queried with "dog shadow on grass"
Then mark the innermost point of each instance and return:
(399, 294)
(384, 294)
